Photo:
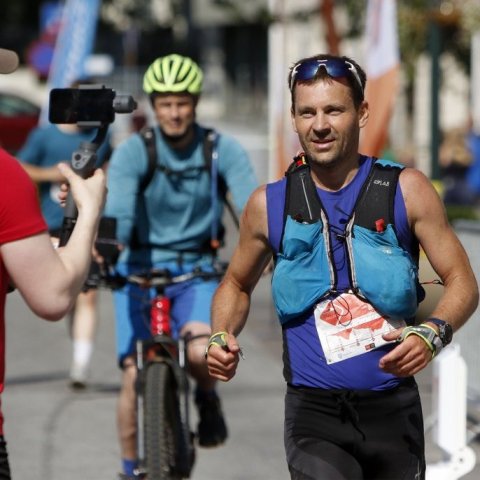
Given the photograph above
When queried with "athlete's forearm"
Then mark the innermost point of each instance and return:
(230, 308)
(459, 299)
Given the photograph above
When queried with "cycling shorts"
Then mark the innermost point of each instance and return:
(355, 435)
(190, 302)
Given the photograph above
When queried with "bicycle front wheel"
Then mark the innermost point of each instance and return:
(162, 424)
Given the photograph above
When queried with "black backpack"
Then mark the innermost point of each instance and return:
(148, 136)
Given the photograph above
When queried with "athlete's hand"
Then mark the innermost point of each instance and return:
(408, 357)
(222, 361)
(89, 194)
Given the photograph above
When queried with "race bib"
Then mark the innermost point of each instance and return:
(348, 326)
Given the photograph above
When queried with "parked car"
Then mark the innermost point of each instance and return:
(18, 116)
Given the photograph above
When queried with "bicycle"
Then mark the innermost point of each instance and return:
(165, 443)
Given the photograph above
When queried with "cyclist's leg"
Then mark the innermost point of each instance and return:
(191, 311)
(126, 411)
(196, 353)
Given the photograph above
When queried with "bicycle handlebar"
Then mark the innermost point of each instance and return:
(159, 277)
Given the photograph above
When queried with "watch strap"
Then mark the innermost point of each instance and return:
(438, 344)
(445, 331)
(437, 321)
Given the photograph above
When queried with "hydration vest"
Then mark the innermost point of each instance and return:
(380, 270)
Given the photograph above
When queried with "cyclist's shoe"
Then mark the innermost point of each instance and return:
(212, 430)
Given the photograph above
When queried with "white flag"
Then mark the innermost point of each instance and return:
(382, 68)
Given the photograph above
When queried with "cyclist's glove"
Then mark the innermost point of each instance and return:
(425, 332)
(216, 339)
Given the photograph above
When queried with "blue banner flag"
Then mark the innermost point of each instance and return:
(74, 43)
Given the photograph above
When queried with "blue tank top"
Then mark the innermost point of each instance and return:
(304, 360)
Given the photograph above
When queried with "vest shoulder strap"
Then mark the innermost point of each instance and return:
(374, 209)
(301, 201)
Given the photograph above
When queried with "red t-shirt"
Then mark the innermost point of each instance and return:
(20, 217)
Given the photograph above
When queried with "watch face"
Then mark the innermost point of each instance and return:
(446, 333)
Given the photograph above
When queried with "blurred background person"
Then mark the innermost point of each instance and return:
(455, 159)
(473, 174)
(46, 146)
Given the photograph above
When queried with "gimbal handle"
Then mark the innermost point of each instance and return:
(83, 163)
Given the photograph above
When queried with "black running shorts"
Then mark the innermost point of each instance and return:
(355, 435)
(4, 465)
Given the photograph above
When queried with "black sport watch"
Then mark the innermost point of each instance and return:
(445, 333)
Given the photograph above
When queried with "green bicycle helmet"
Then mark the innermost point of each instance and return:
(173, 74)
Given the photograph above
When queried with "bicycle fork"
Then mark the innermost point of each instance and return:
(162, 348)
(140, 411)
(159, 325)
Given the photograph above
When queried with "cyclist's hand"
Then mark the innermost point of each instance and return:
(407, 358)
(111, 259)
(222, 361)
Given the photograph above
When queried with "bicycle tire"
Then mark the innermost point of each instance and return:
(162, 425)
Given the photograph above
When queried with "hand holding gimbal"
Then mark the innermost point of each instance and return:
(89, 106)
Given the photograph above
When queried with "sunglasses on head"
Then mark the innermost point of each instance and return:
(335, 67)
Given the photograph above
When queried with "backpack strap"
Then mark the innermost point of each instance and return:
(211, 157)
(148, 138)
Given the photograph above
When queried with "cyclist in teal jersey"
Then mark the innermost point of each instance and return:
(170, 217)
(344, 231)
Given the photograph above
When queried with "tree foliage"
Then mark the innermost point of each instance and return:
(457, 19)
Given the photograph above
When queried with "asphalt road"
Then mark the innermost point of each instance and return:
(54, 433)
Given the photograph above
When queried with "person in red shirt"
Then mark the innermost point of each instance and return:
(26, 251)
